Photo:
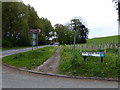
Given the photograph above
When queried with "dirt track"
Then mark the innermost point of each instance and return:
(51, 65)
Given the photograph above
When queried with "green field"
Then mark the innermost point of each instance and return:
(104, 39)
(30, 59)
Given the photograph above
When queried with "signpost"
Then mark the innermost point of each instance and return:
(95, 54)
(34, 33)
(76, 25)
(35, 30)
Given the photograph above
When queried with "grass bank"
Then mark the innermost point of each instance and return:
(16, 47)
(93, 67)
(30, 59)
(104, 39)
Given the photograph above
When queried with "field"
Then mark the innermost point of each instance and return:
(104, 39)
(92, 67)
(30, 59)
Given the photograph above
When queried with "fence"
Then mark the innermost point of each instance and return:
(95, 46)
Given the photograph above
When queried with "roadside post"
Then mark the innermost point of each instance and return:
(76, 25)
(34, 34)
(95, 54)
(74, 42)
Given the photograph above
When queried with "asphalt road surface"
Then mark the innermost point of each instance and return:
(12, 78)
(13, 51)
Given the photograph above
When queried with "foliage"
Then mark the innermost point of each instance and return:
(46, 27)
(116, 3)
(42, 40)
(7, 43)
(64, 34)
(17, 20)
(30, 59)
(14, 22)
(82, 31)
(117, 6)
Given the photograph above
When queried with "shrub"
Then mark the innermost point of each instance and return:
(6, 43)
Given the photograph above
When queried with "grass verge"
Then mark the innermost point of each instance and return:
(17, 47)
(93, 67)
(14, 48)
(104, 39)
(30, 59)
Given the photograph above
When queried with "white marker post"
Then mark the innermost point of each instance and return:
(95, 54)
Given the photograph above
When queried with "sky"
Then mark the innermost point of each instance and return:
(99, 16)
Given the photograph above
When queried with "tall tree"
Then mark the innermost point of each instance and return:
(59, 28)
(64, 34)
(17, 20)
(33, 19)
(46, 27)
(82, 31)
(14, 22)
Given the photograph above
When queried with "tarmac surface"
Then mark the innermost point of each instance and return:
(12, 78)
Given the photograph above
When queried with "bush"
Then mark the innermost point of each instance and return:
(6, 43)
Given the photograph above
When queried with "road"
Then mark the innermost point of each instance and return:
(13, 51)
(12, 78)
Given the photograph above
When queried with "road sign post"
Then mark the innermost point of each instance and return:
(74, 46)
(34, 33)
(76, 25)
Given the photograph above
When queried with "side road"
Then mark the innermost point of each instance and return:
(13, 51)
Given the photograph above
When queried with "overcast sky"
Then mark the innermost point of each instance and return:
(100, 16)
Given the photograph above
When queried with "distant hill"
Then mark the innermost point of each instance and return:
(104, 39)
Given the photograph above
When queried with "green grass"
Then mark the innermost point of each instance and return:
(93, 67)
(16, 47)
(30, 59)
(104, 39)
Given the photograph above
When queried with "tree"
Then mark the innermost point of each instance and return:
(59, 28)
(14, 23)
(117, 6)
(46, 27)
(33, 19)
(82, 31)
(64, 34)
(17, 20)
(68, 36)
